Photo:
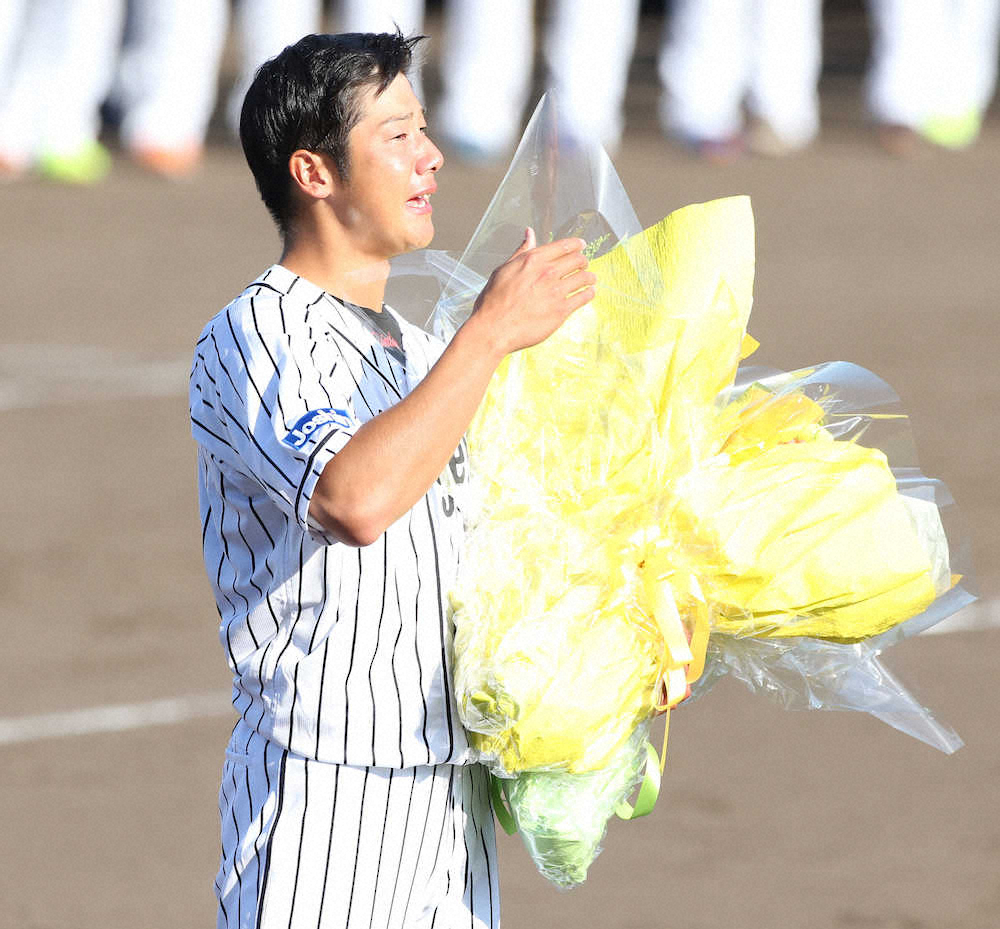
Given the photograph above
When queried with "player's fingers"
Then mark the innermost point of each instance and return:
(527, 243)
(577, 280)
(580, 297)
(559, 247)
(565, 265)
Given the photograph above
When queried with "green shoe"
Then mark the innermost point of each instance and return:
(953, 132)
(90, 164)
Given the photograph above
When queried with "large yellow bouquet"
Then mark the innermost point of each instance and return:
(638, 511)
(619, 496)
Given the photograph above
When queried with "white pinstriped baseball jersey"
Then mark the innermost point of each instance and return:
(339, 654)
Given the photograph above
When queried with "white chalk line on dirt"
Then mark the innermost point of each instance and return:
(114, 718)
(128, 716)
(37, 375)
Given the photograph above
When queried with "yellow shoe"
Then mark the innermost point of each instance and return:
(955, 132)
(89, 165)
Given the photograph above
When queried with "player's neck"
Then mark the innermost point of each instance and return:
(337, 268)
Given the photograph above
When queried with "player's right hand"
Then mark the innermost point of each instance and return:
(530, 295)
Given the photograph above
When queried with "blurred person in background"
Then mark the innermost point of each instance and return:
(57, 59)
(487, 60)
(486, 63)
(12, 13)
(265, 27)
(588, 49)
(386, 16)
(168, 78)
(60, 60)
(933, 70)
(719, 55)
(166, 84)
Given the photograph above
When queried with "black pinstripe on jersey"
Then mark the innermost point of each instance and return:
(339, 654)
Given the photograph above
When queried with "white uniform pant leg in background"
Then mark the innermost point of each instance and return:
(704, 66)
(907, 62)
(61, 76)
(385, 16)
(340, 847)
(264, 28)
(980, 29)
(381, 15)
(486, 64)
(89, 35)
(785, 66)
(13, 18)
(971, 53)
(170, 71)
(588, 48)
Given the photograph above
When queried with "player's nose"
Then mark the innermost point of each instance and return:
(431, 158)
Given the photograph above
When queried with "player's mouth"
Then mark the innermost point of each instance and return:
(421, 203)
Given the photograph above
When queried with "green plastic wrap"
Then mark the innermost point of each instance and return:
(563, 817)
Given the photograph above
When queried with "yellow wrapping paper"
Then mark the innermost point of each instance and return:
(808, 538)
(614, 488)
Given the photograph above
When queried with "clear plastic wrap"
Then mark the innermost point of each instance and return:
(557, 185)
(804, 672)
(634, 489)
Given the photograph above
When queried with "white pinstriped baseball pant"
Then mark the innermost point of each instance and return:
(308, 844)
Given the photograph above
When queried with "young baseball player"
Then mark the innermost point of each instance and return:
(331, 462)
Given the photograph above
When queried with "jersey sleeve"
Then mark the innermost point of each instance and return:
(273, 404)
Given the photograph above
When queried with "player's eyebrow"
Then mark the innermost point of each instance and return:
(403, 117)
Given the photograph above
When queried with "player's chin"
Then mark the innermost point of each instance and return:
(421, 234)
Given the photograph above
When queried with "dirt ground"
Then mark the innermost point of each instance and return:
(767, 818)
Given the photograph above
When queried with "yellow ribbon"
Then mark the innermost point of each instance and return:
(682, 665)
(684, 653)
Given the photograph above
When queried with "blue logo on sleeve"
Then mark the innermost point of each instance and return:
(303, 430)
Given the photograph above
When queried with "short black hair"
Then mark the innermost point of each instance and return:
(308, 97)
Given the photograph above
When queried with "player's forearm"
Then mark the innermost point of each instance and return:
(392, 461)
(394, 458)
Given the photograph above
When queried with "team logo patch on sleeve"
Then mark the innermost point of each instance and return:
(307, 425)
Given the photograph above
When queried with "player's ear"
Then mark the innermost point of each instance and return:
(312, 173)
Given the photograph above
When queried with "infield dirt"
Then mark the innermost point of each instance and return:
(767, 818)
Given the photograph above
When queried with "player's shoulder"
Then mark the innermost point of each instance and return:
(271, 306)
